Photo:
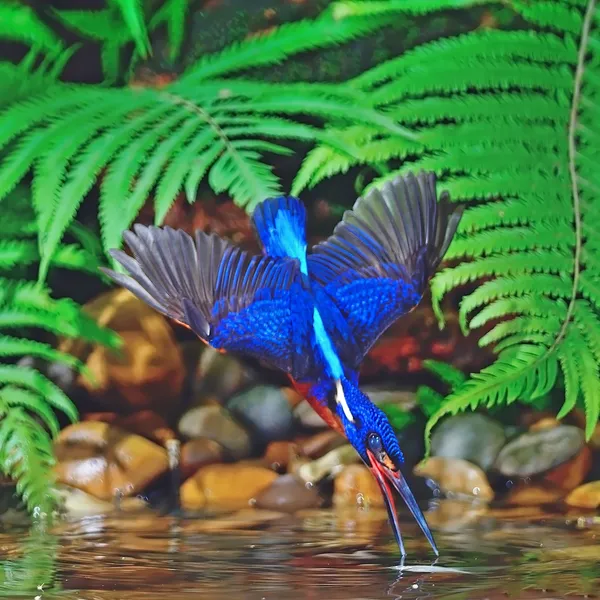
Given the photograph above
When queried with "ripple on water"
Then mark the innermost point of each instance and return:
(323, 555)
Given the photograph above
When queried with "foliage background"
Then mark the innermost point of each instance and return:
(499, 99)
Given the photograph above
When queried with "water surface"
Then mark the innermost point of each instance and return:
(322, 555)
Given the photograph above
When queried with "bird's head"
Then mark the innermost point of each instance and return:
(369, 431)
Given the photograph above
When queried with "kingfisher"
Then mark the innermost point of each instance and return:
(313, 313)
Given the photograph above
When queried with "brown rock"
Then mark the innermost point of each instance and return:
(355, 485)
(104, 460)
(145, 423)
(534, 494)
(199, 453)
(456, 476)
(78, 503)
(545, 423)
(149, 370)
(571, 473)
(585, 496)
(279, 454)
(455, 515)
(288, 494)
(293, 397)
(595, 439)
(321, 443)
(231, 486)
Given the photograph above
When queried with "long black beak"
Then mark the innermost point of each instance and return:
(384, 477)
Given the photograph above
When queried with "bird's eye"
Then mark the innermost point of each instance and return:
(374, 443)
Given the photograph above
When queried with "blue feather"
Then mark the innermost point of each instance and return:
(280, 225)
(376, 264)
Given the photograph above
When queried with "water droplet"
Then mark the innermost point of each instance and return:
(476, 491)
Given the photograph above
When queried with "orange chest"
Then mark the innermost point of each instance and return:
(320, 408)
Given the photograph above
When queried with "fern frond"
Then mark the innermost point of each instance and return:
(328, 29)
(520, 372)
(26, 456)
(133, 15)
(20, 23)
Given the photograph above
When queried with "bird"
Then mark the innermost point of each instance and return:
(313, 313)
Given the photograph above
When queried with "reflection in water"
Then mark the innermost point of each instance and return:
(322, 555)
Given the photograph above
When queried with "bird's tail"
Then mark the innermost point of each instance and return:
(280, 225)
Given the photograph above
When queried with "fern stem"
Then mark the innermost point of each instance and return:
(577, 84)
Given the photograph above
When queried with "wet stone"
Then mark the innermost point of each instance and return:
(307, 417)
(265, 410)
(471, 436)
(215, 423)
(570, 474)
(278, 455)
(199, 453)
(107, 461)
(77, 503)
(534, 494)
(355, 486)
(320, 443)
(585, 496)
(456, 476)
(289, 494)
(539, 451)
(329, 465)
(221, 486)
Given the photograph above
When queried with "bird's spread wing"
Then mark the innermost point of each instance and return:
(377, 263)
(256, 305)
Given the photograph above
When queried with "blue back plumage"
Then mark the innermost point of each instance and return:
(280, 224)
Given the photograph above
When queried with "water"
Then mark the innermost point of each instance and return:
(318, 556)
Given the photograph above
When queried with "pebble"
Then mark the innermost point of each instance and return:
(146, 423)
(219, 374)
(215, 423)
(105, 461)
(288, 493)
(456, 476)
(320, 443)
(571, 473)
(471, 436)
(278, 455)
(455, 515)
(534, 494)
(220, 486)
(585, 496)
(77, 503)
(149, 371)
(328, 465)
(265, 411)
(354, 485)
(539, 451)
(199, 453)
(404, 399)
(307, 417)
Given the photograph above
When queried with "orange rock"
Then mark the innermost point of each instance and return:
(219, 485)
(199, 453)
(320, 443)
(585, 496)
(545, 423)
(455, 475)
(595, 440)
(355, 485)
(534, 494)
(293, 397)
(571, 473)
(279, 454)
(149, 370)
(104, 460)
(145, 423)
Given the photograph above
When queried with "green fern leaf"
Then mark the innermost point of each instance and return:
(35, 381)
(133, 15)
(14, 396)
